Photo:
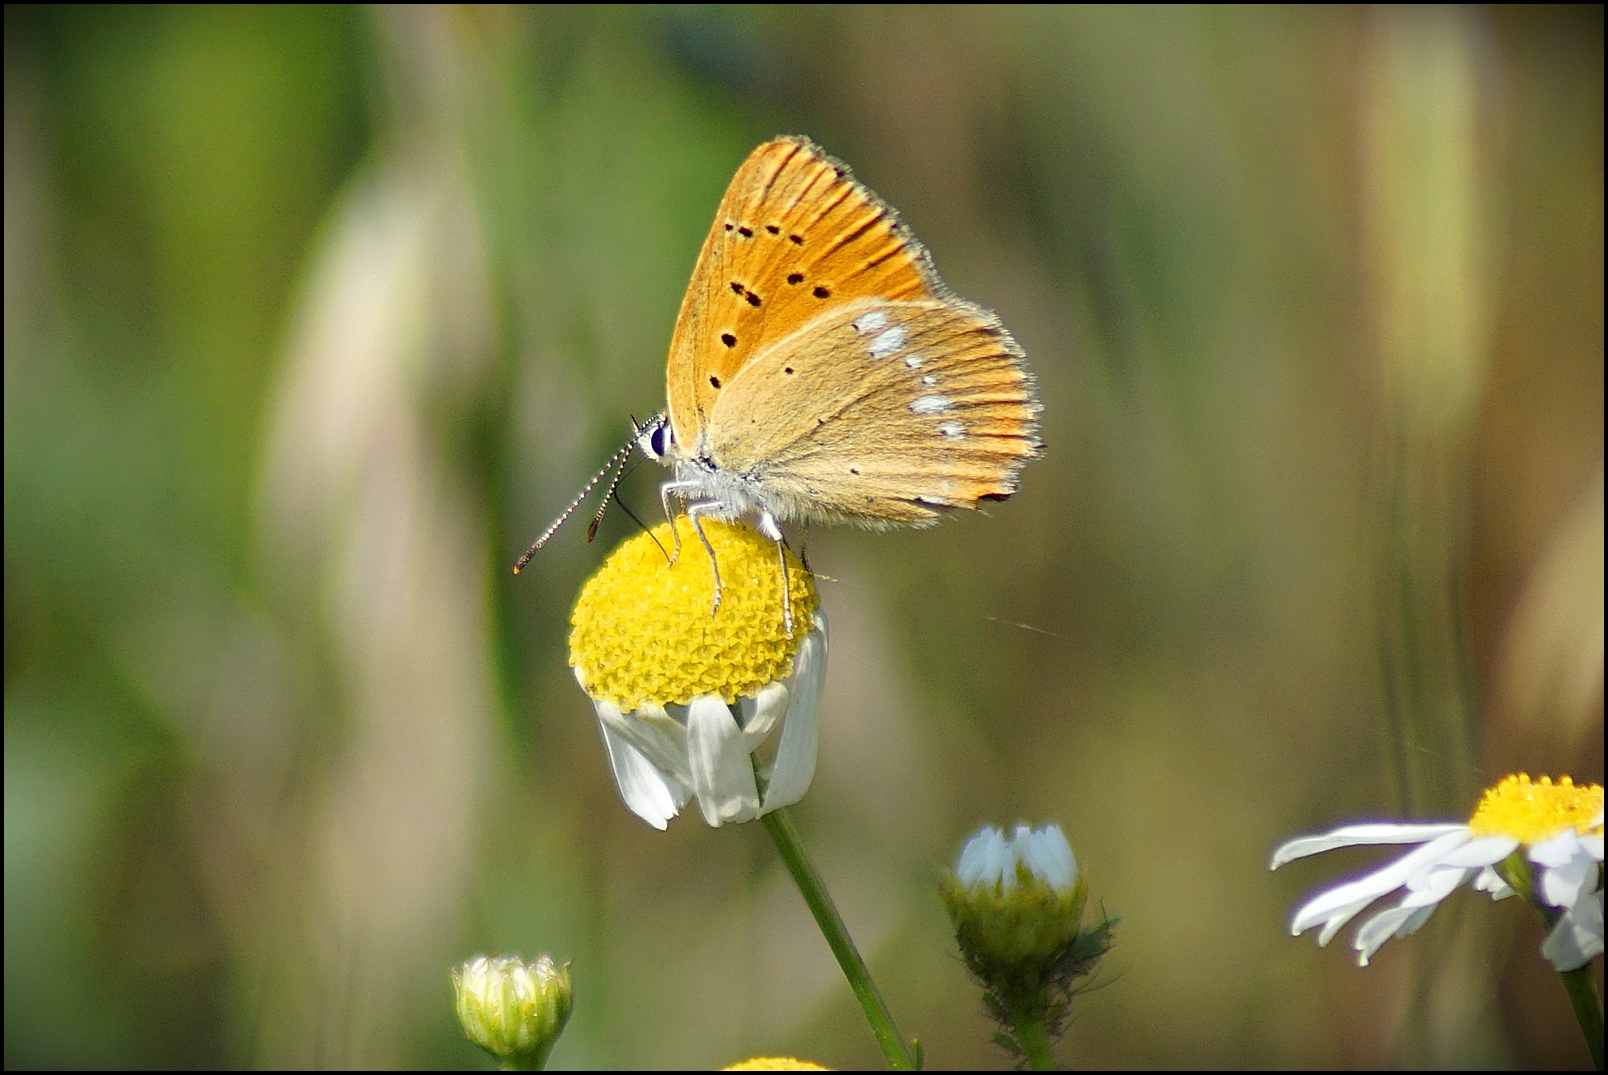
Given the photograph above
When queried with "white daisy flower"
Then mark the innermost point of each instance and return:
(1560, 826)
(664, 674)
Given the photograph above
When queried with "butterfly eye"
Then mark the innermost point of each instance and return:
(654, 438)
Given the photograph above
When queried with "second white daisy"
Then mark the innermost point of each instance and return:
(1560, 826)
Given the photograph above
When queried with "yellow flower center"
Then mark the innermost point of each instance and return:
(642, 631)
(774, 1063)
(1530, 813)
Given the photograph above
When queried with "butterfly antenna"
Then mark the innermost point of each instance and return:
(613, 490)
(617, 458)
(619, 476)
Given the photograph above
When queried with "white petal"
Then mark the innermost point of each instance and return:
(809, 669)
(1018, 843)
(1556, 851)
(1333, 923)
(1435, 885)
(762, 713)
(722, 775)
(1377, 930)
(1416, 920)
(1563, 885)
(649, 793)
(1480, 852)
(1338, 905)
(1353, 835)
(1049, 857)
(1569, 867)
(790, 774)
(1576, 938)
(660, 737)
(1491, 881)
(1395, 922)
(980, 860)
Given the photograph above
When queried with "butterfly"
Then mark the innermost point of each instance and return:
(820, 371)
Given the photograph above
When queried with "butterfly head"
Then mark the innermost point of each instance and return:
(654, 438)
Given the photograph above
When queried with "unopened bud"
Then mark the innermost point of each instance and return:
(1015, 900)
(1017, 905)
(514, 1011)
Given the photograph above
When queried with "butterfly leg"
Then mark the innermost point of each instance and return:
(695, 512)
(769, 527)
(680, 489)
(787, 598)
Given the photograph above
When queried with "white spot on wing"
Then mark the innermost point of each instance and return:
(931, 405)
(929, 380)
(953, 430)
(888, 342)
(914, 361)
(870, 322)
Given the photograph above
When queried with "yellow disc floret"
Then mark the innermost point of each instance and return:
(774, 1063)
(1530, 813)
(642, 629)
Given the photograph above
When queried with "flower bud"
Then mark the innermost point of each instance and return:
(1017, 905)
(514, 1011)
(1016, 901)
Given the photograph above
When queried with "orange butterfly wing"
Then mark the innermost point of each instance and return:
(794, 235)
(881, 414)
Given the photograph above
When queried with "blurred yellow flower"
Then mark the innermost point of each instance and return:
(774, 1063)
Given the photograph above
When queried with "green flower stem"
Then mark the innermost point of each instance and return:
(1581, 985)
(894, 1047)
(1034, 1039)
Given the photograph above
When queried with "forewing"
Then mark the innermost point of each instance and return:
(795, 235)
(880, 413)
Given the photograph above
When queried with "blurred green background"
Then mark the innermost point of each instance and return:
(315, 316)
